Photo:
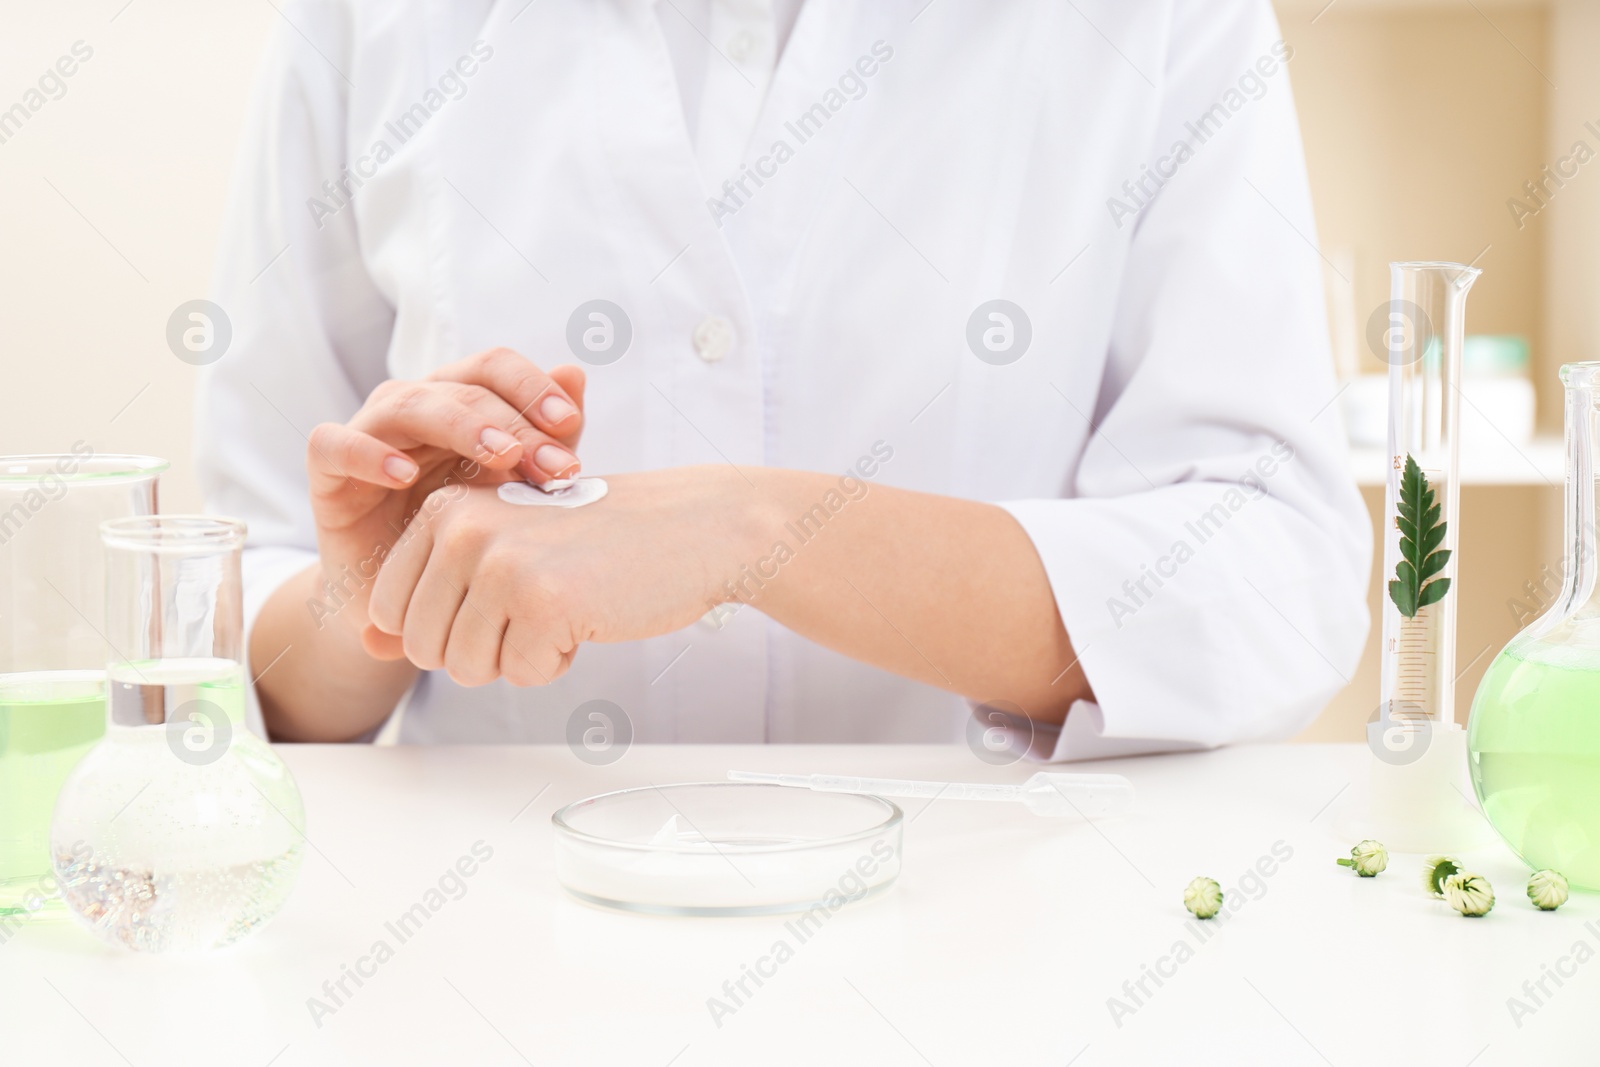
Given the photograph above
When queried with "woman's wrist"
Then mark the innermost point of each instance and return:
(772, 513)
(745, 500)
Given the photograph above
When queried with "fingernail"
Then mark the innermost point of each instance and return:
(399, 468)
(497, 441)
(555, 461)
(556, 410)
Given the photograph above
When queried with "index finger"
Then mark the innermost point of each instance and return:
(535, 395)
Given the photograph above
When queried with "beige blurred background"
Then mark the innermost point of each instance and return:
(1421, 118)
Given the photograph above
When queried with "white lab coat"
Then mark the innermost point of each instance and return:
(1166, 438)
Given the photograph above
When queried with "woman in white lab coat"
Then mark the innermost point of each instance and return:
(935, 354)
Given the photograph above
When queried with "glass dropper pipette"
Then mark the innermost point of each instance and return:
(1048, 793)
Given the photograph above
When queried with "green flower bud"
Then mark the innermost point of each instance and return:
(1470, 894)
(1435, 870)
(1203, 897)
(1547, 890)
(1367, 858)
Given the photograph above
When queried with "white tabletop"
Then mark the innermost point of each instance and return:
(1002, 943)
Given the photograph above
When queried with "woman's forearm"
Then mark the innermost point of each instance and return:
(946, 591)
(314, 680)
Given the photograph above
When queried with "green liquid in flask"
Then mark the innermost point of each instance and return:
(1535, 742)
(48, 720)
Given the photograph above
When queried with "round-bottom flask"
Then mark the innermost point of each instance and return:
(1534, 733)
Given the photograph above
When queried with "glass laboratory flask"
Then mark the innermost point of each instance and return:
(1534, 733)
(181, 830)
(52, 652)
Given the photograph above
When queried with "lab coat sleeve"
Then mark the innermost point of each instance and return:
(309, 328)
(1210, 561)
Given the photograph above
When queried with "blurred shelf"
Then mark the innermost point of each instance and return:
(1542, 461)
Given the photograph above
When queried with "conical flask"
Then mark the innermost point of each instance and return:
(1534, 733)
(181, 830)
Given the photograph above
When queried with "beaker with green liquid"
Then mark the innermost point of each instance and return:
(52, 645)
(1534, 733)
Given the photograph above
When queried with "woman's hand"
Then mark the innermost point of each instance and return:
(491, 418)
(948, 592)
(486, 589)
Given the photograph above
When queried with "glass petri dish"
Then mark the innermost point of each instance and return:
(727, 849)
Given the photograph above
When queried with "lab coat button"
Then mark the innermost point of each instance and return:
(713, 338)
(740, 45)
